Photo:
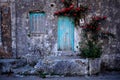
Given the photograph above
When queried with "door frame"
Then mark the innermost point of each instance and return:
(70, 51)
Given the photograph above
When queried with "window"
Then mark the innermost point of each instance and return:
(37, 22)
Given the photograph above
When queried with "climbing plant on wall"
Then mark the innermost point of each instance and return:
(72, 11)
(94, 35)
(93, 32)
(67, 3)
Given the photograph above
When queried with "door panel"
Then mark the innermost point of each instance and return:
(65, 33)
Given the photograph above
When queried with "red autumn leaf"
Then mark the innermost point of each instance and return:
(68, 9)
(98, 29)
(104, 17)
(63, 10)
(65, 14)
(74, 14)
(72, 6)
(96, 18)
(84, 27)
(62, 0)
(90, 27)
(78, 9)
(56, 13)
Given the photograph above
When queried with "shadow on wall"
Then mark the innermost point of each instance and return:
(3, 54)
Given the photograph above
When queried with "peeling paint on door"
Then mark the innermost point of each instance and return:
(65, 33)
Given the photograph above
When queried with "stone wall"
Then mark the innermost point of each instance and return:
(37, 44)
(40, 45)
(5, 20)
(109, 8)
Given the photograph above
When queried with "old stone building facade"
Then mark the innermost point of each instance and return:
(22, 35)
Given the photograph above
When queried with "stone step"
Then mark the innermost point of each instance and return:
(63, 65)
(59, 65)
(6, 65)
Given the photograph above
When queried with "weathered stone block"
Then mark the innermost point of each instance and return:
(94, 66)
(7, 65)
(111, 62)
(32, 59)
(63, 66)
(25, 70)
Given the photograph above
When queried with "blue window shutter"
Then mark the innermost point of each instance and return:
(37, 22)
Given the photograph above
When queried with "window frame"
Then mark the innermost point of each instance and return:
(38, 25)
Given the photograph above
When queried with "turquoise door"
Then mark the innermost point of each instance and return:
(65, 33)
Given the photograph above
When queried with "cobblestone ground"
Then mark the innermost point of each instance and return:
(103, 76)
